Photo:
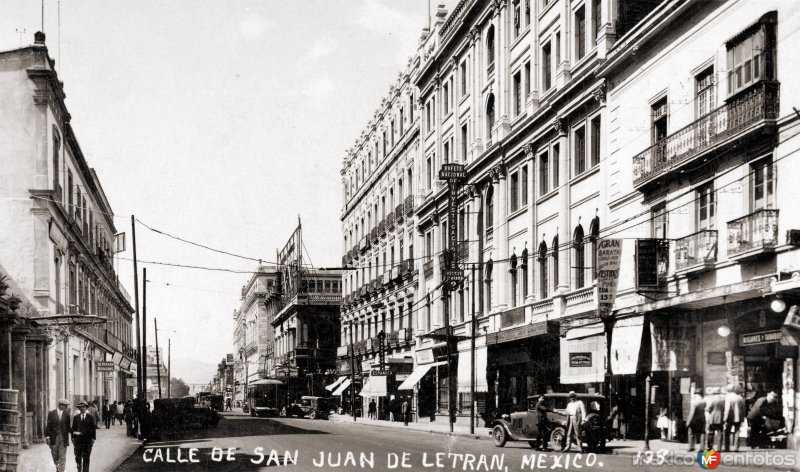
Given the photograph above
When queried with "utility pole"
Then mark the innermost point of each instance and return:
(158, 359)
(352, 373)
(474, 323)
(169, 367)
(144, 330)
(139, 387)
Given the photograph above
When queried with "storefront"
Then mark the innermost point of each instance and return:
(470, 378)
(521, 363)
(583, 358)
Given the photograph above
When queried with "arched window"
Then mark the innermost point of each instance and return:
(490, 48)
(514, 279)
(489, 117)
(594, 235)
(489, 266)
(524, 267)
(542, 259)
(580, 257)
(555, 262)
(489, 214)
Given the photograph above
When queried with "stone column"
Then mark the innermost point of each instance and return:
(18, 380)
(7, 321)
(564, 230)
(530, 153)
(439, 242)
(503, 95)
(476, 148)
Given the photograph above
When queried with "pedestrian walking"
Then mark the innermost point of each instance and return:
(697, 420)
(228, 404)
(734, 414)
(542, 425)
(576, 415)
(129, 418)
(84, 432)
(106, 414)
(120, 412)
(57, 433)
(405, 410)
(391, 408)
(94, 410)
(373, 410)
(715, 406)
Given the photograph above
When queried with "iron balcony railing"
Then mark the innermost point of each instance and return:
(696, 250)
(373, 235)
(739, 114)
(382, 228)
(758, 230)
(427, 269)
(390, 221)
(463, 250)
(409, 205)
(398, 212)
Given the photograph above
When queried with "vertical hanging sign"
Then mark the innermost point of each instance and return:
(454, 174)
(609, 252)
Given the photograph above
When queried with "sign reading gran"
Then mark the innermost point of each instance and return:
(609, 253)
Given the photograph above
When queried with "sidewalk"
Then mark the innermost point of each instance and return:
(431, 427)
(616, 447)
(110, 449)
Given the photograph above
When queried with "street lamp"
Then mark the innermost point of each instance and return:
(244, 393)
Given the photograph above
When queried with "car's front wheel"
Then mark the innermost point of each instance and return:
(312, 414)
(557, 438)
(500, 436)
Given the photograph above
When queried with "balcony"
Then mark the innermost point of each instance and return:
(382, 228)
(373, 235)
(363, 245)
(409, 205)
(405, 335)
(390, 221)
(57, 192)
(696, 252)
(742, 115)
(344, 261)
(406, 268)
(753, 234)
(580, 301)
(398, 212)
(462, 250)
(427, 269)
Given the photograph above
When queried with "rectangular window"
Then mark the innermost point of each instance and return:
(763, 185)
(69, 193)
(517, 22)
(544, 174)
(556, 157)
(514, 195)
(428, 173)
(56, 160)
(446, 152)
(546, 67)
(751, 55)
(527, 79)
(543, 277)
(580, 33)
(595, 127)
(446, 98)
(558, 49)
(705, 96)
(659, 221)
(463, 78)
(580, 151)
(523, 178)
(705, 207)
(464, 143)
(517, 93)
(659, 125)
(596, 17)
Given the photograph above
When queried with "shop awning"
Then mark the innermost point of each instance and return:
(583, 355)
(465, 369)
(333, 385)
(342, 387)
(626, 341)
(416, 376)
(375, 387)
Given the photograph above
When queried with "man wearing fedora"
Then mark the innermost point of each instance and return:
(576, 415)
(58, 429)
(84, 431)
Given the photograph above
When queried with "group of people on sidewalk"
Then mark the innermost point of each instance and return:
(83, 429)
(718, 421)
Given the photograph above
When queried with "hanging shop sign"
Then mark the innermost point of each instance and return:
(761, 337)
(580, 359)
(105, 367)
(609, 253)
(646, 264)
(672, 346)
(130, 382)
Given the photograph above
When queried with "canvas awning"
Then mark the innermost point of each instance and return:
(583, 355)
(465, 369)
(626, 342)
(342, 387)
(333, 385)
(375, 387)
(417, 374)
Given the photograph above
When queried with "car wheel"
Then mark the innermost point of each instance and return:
(499, 435)
(557, 438)
(312, 414)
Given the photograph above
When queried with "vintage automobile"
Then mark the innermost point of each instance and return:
(173, 417)
(308, 406)
(523, 425)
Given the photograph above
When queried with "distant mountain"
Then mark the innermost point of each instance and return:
(193, 370)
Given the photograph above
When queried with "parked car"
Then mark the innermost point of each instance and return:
(308, 406)
(523, 425)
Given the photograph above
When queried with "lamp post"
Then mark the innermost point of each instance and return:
(246, 374)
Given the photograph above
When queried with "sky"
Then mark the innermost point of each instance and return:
(219, 122)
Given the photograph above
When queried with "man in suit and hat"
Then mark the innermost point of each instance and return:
(84, 432)
(58, 429)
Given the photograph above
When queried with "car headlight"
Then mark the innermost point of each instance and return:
(506, 417)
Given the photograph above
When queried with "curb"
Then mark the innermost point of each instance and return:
(444, 433)
(123, 457)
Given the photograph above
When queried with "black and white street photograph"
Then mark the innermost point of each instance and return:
(376, 235)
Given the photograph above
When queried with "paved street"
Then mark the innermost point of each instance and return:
(306, 445)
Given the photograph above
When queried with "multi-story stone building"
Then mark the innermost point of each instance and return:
(700, 173)
(56, 239)
(253, 334)
(157, 379)
(380, 279)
